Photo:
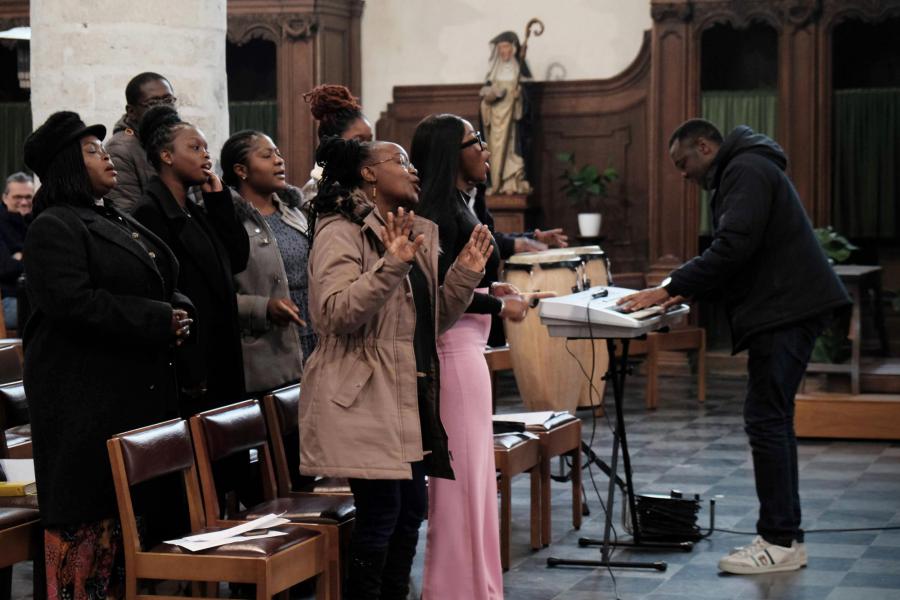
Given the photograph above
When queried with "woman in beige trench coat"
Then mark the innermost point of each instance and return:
(369, 407)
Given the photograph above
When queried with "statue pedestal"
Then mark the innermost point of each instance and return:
(509, 211)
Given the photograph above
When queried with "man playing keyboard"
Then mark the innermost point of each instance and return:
(779, 291)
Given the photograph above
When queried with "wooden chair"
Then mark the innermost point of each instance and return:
(10, 360)
(272, 564)
(515, 454)
(498, 359)
(14, 425)
(21, 539)
(282, 408)
(680, 338)
(562, 440)
(240, 428)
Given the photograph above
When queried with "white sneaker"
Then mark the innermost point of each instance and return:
(800, 546)
(762, 557)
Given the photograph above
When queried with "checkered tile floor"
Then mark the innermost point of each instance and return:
(702, 449)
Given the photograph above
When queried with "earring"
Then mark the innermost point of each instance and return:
(374, 192)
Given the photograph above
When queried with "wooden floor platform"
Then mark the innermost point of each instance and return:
(847, 416)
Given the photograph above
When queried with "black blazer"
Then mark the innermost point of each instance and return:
(455, 226)
(98, 352)
(211, 245)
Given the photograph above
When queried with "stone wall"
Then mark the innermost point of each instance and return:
(84, 53)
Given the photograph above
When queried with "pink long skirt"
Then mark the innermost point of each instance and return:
(462, 555)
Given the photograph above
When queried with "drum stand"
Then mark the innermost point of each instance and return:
(618, 369)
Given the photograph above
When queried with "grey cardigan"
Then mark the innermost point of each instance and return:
(272, 354)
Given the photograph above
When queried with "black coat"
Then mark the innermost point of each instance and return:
(12, 239)
(98, 352)
(211, 246)
(455, 225)
(764, 261)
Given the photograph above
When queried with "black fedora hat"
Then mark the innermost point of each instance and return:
(58, 131)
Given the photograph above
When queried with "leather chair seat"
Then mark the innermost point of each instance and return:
(325, 510)
(10, 517)
(249, 548)
(25, 502)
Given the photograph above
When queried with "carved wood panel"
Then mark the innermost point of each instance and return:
(604, 122)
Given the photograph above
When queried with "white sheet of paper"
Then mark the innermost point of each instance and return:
(529, 418)
(197, 546)
(263, 522)
(18, 469)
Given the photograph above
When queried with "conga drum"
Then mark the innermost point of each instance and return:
(594, 272)
(547, 376)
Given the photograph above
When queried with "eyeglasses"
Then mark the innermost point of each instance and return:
(403, 162)
(475, 140)
(159, 101)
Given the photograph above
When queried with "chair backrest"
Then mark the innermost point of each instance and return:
(149, 453)
(10, 362)
(13, 404)
(287, 401)
(281, 408)
(226, 432)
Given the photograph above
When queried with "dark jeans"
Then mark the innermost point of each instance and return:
(777, 362)
(388, 507)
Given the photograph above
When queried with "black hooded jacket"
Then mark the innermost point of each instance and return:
(764, 260)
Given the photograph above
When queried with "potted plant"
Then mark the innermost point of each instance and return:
(833, 346)
(583, 187)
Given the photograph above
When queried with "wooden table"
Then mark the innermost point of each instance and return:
(858, 279)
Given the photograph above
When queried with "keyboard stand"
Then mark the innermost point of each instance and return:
(618, 369)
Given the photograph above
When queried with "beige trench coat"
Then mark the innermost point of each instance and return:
(359, 411)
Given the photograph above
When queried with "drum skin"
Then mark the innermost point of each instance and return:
(547, 375)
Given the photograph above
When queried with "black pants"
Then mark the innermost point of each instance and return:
(388, 507)
(777, 362)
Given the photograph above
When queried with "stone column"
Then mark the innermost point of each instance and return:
(84, 53)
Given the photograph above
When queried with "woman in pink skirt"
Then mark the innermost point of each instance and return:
(462, 555)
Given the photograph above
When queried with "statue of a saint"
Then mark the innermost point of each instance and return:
(503, 105)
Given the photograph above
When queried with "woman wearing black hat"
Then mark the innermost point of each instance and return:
(98, 347)
(212, 246)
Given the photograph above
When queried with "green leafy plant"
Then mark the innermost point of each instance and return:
(585, 184)
(833, 346)
(837, 247)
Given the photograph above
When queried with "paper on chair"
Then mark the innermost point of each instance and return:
(263, 522)
(18, 469)
(530, 419)
(197, 546)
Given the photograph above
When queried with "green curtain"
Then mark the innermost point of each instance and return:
(260, 115)
(758, 109)
(15, 123)
(866, 162)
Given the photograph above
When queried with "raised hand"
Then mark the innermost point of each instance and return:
(396, 235)
(475, 253)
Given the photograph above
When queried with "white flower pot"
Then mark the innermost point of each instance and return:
(589, 224)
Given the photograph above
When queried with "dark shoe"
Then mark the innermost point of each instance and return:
(365, 572)
(395, 577)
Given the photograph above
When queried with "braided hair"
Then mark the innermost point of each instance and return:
(235, 152)
(157, 130)
(341, 161)
(334, 107)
